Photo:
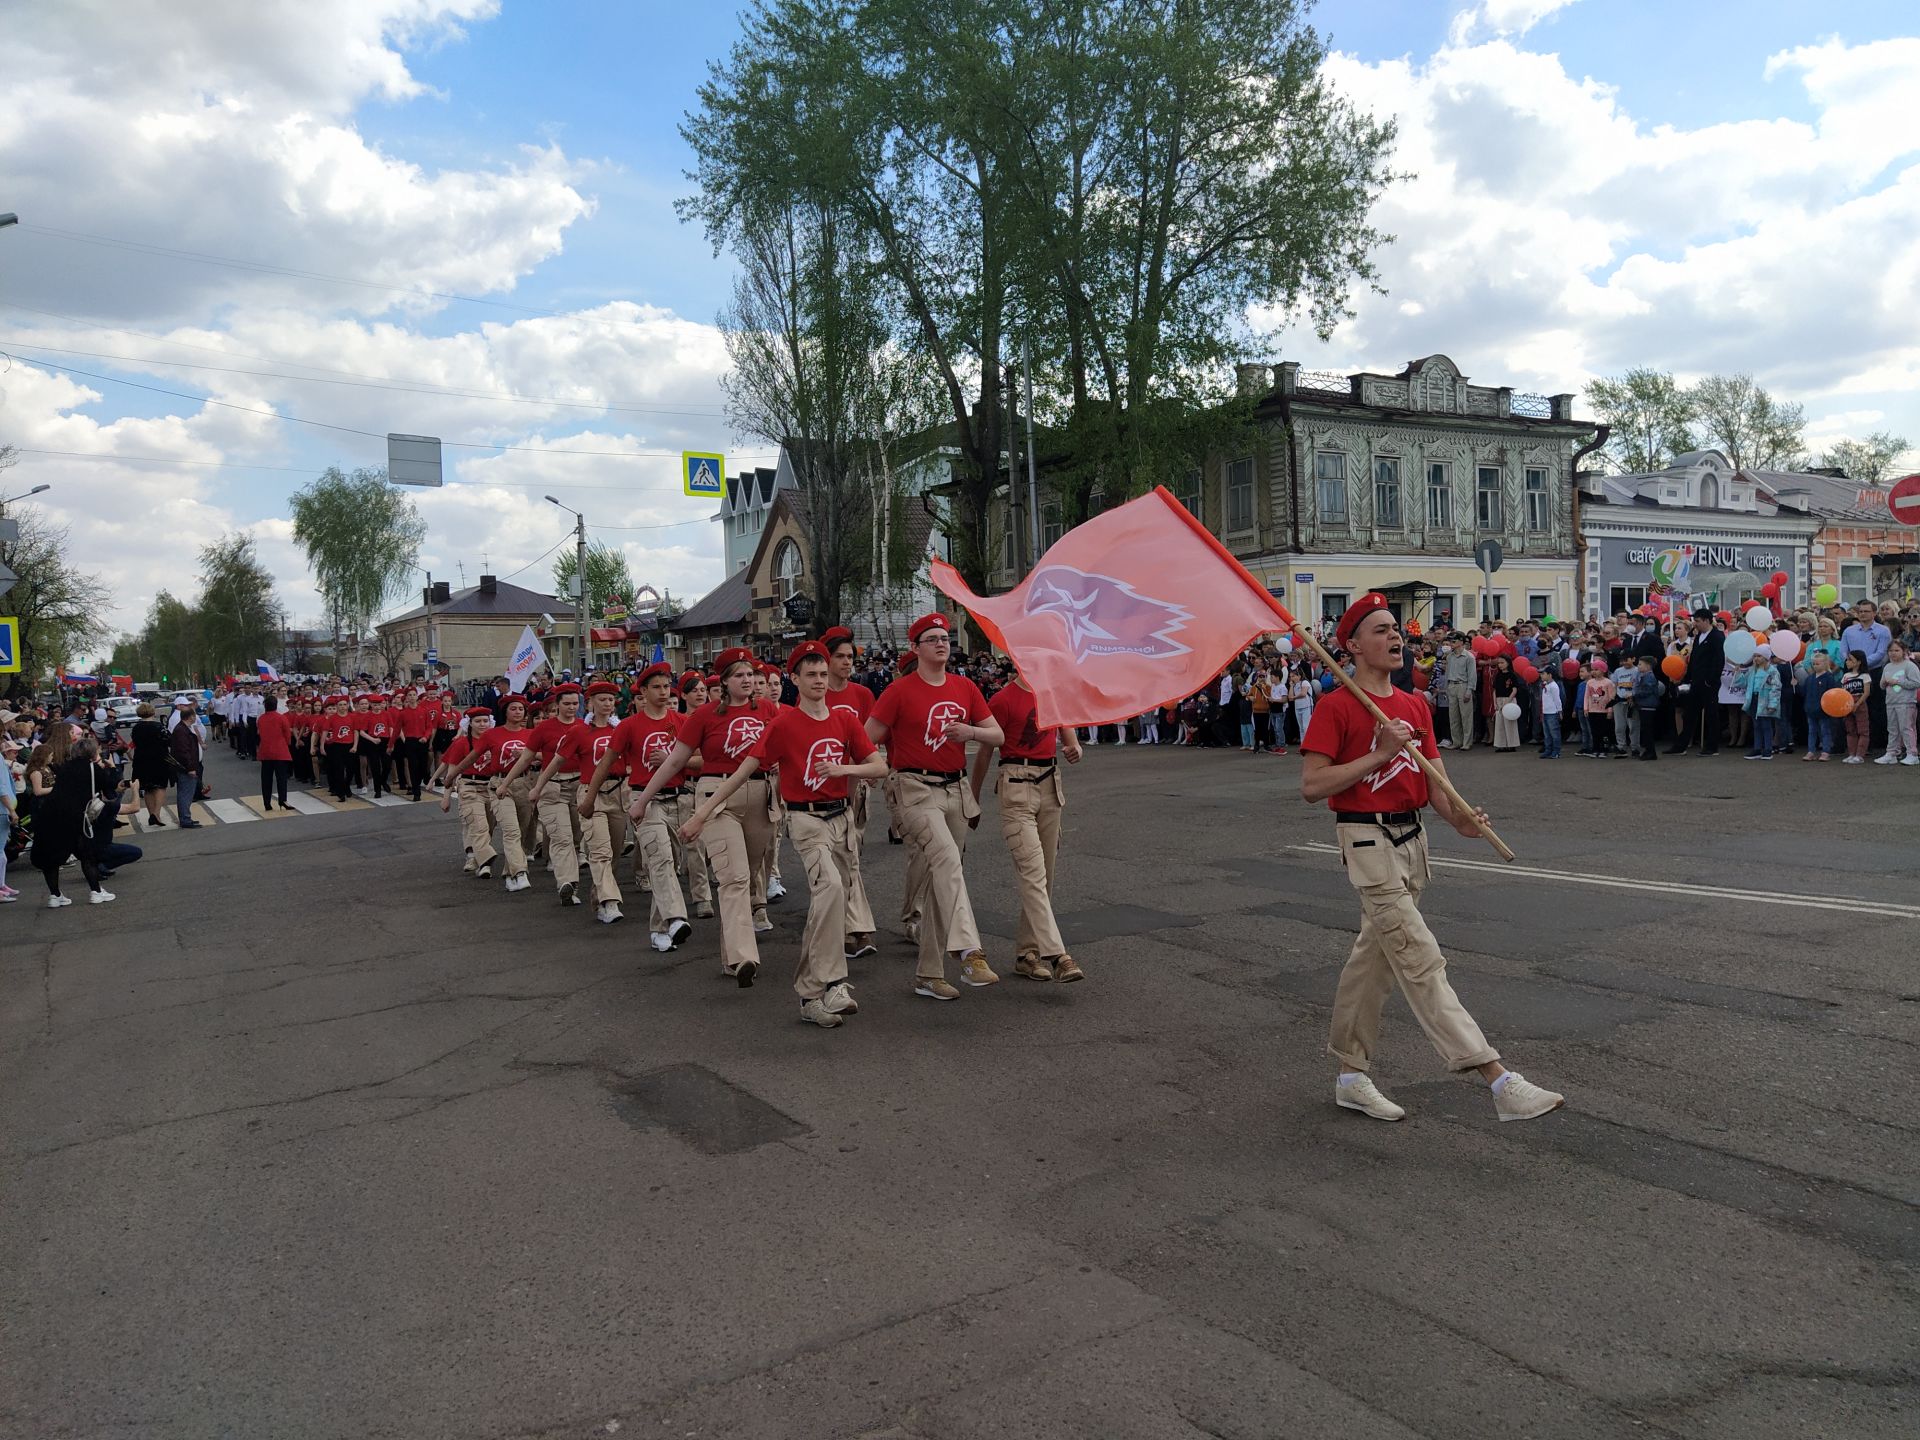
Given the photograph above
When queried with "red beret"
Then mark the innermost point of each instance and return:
(659, 667)
(476, 712)
(689, 679)
(515, 698)
(935, 621)
(906, 661)
(1356, 612)
(564, 688)
(833, 635)
(807, 649)
(603, 687)
(736, 655)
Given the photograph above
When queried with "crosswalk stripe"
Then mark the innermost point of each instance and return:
(386, 800)
(230, 812)
(303, 802)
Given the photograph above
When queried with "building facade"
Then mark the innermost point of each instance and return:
(477, 628)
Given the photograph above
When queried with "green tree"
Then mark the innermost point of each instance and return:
(1650, 416)
(239, 616)
(1747, 424)
(606, 576)
(362, 540)
(1870, 461)
(60, 607)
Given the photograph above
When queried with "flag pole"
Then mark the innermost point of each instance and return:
(1435, 776)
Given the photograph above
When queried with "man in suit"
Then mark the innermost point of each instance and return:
(1704, 663)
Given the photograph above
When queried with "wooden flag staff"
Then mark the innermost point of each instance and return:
(1434, 774)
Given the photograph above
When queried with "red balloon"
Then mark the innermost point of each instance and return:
(1780, 579)
(1570, 669)
(1527, 671)
(1770, 591)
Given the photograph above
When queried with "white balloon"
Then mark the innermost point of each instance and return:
(1786, 645)
(1759, 618)
(1740, 647)
(1284, 644)
(1510, 710)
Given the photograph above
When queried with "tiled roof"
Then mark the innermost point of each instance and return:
(728, 603)
(504, 600)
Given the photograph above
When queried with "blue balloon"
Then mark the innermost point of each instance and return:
(1328, 683)
(1740, 647)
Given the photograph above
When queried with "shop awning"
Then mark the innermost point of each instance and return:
(607, 636)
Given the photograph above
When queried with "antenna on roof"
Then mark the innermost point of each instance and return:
(461, 566)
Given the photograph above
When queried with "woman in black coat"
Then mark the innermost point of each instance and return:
(150, 769)
(60, 824)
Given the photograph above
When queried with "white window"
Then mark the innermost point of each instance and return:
(1854, 580)
(1330, 486)
(1386, 493)
(1625, 597)
(786, 571)
(1497, 605)
(1439, 497)
(1489, 508)
(1539, 604)
(1446, 608)
(1239, 497)
(1539, 502)
(1334, 603)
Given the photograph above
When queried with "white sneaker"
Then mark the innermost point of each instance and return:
(485, 872)
(763, 927)
(1446, 744)
(839, 999)
(100, 897)
(1358, 1092)
(468, 868)
(1886, 760)
(55, 902)
(815, 1012)
(1911, 760)
(516, 883)
(608, 912)
(775, 890)
(660, 941)
(1521, 1099)
(569, 894)
(679, 932)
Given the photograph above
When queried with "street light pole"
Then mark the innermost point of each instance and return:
(579, 582)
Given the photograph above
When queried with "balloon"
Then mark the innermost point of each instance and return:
(1527, 671)
(1786, 645)
(1759, 618)
(1548, 620)
(1740, 647)
(1837, 703)
(1771, 591)
(1674, 667)
(1825, 595)
(1780, 579)
(1510, 710)
(1570, 669)
(1327, 682)
(1284, 645)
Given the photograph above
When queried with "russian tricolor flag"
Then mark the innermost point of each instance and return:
(267, 672)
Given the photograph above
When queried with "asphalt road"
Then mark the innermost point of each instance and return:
(308, 1135)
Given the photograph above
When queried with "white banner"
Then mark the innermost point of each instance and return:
(528, 656)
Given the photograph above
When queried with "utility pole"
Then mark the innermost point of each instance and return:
(579, 581)
(433, 634)
(1016, 529)
(1033, 499)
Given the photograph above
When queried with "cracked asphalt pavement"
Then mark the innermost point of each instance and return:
(309, 1135)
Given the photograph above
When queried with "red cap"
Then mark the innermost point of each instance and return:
(1356, 612)
(603, 687)
(566, 687)
(689, 679)
(474, 712)
(935, 621)
(805, 649)
(832, 636)
(515, 698)
(906, 661)
(727, 659)
(659, 667)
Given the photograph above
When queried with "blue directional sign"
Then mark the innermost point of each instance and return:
(700, 473)
(9, 645)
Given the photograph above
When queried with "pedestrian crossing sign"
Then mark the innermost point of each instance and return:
(700, 474)
(9, 645)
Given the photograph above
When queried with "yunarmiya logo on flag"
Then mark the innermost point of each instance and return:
(1138, 607)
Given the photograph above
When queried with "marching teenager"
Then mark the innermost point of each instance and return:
(925, 719)
(446, 725)
(767, 883)
(473, 763)
(601, 803)
(846, 693)
(337, 734)
(381, 735)
(1031, 799)
(722, 733)
(300, 748)
(691, 858)
(416, 734)
(641, 744)
(513, 735)
(1376, 792)
(816, 751)
(552, 792)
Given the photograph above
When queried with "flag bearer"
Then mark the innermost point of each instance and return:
(1376, 791)
(1031, 800)
(926, 719)
(816, 751)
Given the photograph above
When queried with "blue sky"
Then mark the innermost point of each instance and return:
(1708, 186)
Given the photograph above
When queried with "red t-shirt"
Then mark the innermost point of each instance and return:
(1342, 730)
(1020, 722)
(643, 742)
(723, 741)
(506, 746)
(456, 752)
(485, 758)
(917, 714)
(275, 730)
(547, 736)
(583, 745)
(338, 729)
(381, 725)
(856, 697)
(416, 722)
(799, 745)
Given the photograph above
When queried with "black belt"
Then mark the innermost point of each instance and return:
(828, 808)
(1006, 760)
(612, 783)
(938, 777)
(1370, 817)
(674, 794)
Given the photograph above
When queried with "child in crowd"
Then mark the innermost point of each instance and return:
(1649, 694)
(1823, 731)
(1150, 727)
(1598, 707)
(1901, 681)
(1300, 692)
(1854, 680)
(1626, 712)
(1763, 703)
(1550, 706)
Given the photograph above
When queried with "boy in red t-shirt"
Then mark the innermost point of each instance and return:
(846, 693)
(1376, 789)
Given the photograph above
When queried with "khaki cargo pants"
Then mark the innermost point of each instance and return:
(825, 846)
(1031, 801)
(560, 823)
(933, 821)
(479, 810)
(1395, 946)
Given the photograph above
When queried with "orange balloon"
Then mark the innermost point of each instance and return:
(1674, 667)
(1837, 703)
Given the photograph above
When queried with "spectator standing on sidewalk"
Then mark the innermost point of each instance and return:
(1854, 680)
(9, 810)
(186, 740)
(1900, 683)
(151, 773)
(1871, 638)
(61, 821)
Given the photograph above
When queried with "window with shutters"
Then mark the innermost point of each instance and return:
(1489, 509)
(1439, 497)
(1386, 493)
(1330, 486)
(1240, 497)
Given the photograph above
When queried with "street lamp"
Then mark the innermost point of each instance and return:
(579, 582)
(9, 218)
(24, 494)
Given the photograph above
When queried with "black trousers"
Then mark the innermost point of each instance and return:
(273, 776)
(342, 771)
(379, 762)
(1703, 718)
(1876, 711)
(419, 765)
(302, 764)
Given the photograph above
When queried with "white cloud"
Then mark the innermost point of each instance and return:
(1502, 17)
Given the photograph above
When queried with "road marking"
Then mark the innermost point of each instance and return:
(1845, 905)
(301, 801)
(230, 812)
(385, 800)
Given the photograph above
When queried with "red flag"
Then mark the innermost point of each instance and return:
(1136, 608)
